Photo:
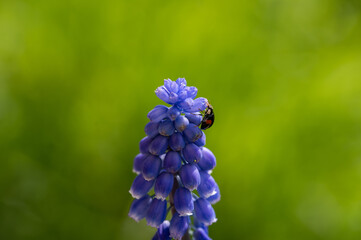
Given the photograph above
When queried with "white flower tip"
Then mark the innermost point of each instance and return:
(160, 197)
(133, 194)
(186, 214)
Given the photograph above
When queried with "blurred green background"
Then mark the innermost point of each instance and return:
(77, 79)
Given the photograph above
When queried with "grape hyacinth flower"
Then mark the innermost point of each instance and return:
(175, 164)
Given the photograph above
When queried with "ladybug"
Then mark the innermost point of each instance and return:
(208, 117)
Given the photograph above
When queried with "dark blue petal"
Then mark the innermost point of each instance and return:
(181, 123)
(190, 176)
(199, 104)
(159, 145)
(182, 83)
(191, 92)
(162, 232)
(178, 226)
(192, 153)
(158, 113)
(183, 201)
(204, 212)
(166, 127)
(192, 133)
(176, 142)
(200, 234)
(162, 93)
(173, 113)
(140, 187)
(156, 213)
(163, 185)
(201, 141)
(139, 208)
(151, 167)
(208, 160)
(144, 144)
(138, 162)
(216, 197)
(207, 187)
(172, 162)
(194, 118)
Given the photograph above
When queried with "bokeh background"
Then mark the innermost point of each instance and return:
(77, 79)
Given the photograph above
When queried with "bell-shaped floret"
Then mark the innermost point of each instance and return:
(144, 144)
(151, 129)
(204, 212)
(158, 113)
(139, 208)
(181, 123)
(159, 145)
(192, 133)
(176, 142)
(163, 185)
(156, 213)
(208, 160)
(178, 226)
(194, 118)
(172, 162)
(183, 201)
(151, 167)
(192, 153)
(140, 187)
(166, 127)
(207, 187)
(138, 162)
(173, 113)
(190, 176)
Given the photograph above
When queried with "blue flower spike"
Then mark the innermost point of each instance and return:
(174, 162)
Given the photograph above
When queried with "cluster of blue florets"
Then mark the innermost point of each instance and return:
(175, 164)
